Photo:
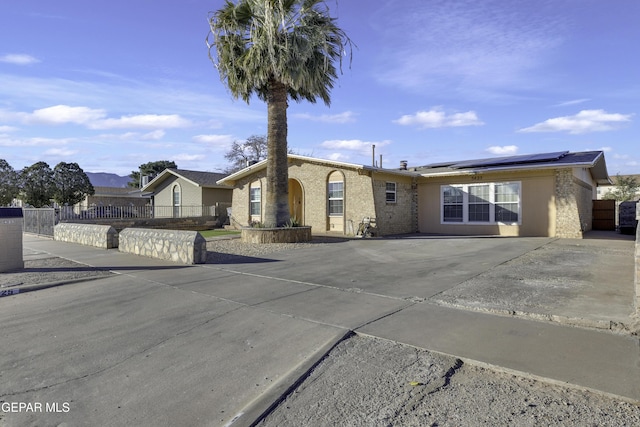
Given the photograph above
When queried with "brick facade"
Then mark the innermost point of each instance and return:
(364, 196)
(574, 204)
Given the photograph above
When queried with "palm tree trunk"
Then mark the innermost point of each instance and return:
(276, 213)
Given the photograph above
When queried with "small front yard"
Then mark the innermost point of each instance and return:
(218, 232)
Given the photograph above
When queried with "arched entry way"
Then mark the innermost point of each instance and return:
(296, 201)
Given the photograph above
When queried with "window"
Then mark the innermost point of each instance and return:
(391, 192)
(479, 203)
(336, 198)
(488, 203)
(452, 204)
(176, 201)
(254, 201)
(507, 202)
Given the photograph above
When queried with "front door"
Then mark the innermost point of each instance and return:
(296, 201)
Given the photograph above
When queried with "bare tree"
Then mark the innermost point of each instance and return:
(242, 153)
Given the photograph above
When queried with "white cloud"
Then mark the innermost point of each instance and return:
(346, 117)
(188, 157)
(18, 59)
(465, 45)
(352, 144)
(61, 114)
(436, 118)
(33, 142)
(503, 150)
(4, 129)
(60, 152)
(572, 102)
(584, 122)
(222, 141)
(153, 136)
(142, 121)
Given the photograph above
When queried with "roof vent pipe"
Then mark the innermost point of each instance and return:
(403, 165)
(373, 155)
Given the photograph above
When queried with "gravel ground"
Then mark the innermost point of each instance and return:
(49, 269)
(373, 382)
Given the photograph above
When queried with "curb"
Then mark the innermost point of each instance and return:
(21, 289)
(258, 409)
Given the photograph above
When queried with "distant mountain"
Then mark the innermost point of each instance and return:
(103, 179)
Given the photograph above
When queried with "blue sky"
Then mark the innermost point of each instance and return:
(112, 85)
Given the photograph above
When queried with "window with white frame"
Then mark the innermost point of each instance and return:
(336, 198)
(254, 201)
(452, 204)
(390, 192)
(487, 203)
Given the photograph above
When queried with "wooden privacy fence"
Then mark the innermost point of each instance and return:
(604, 215)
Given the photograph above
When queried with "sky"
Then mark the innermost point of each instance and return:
(111, 85)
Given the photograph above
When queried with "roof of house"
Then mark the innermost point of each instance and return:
(594, 160)
(334, 163)
(197, 178)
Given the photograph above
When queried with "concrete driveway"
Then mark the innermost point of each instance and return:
(163, 344)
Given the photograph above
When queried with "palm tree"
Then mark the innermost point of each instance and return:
(277, 49)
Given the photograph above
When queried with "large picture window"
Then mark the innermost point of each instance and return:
(488, 203)
(336, 198)
(254, 201)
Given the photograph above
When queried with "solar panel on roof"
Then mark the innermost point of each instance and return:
(499, 161)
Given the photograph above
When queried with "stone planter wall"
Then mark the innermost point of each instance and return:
(276, 235)
(186, 247)
(100, 236)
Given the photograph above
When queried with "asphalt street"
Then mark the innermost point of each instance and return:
(158, 343)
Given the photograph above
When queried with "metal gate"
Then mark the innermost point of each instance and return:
(39, 220)
(604, 215)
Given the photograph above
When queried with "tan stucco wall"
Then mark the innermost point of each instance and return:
(190, 195)
(359, 201)
(537, 205)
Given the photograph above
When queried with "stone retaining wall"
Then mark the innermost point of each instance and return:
(186, 247)
(101, 236)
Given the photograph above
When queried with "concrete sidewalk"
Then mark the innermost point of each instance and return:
(163, 343)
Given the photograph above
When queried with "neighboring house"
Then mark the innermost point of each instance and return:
(603, 190)
(180, 193)
(113, 196)
(547, 194)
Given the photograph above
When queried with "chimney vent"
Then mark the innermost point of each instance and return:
(403, 165)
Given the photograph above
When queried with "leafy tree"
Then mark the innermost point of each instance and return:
(626, 189)
(36, 183)
(277, 50)
(72, 185)
(9, 188)
(151, 169)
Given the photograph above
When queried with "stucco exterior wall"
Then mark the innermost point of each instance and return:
(190, 195)
(537, 211)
